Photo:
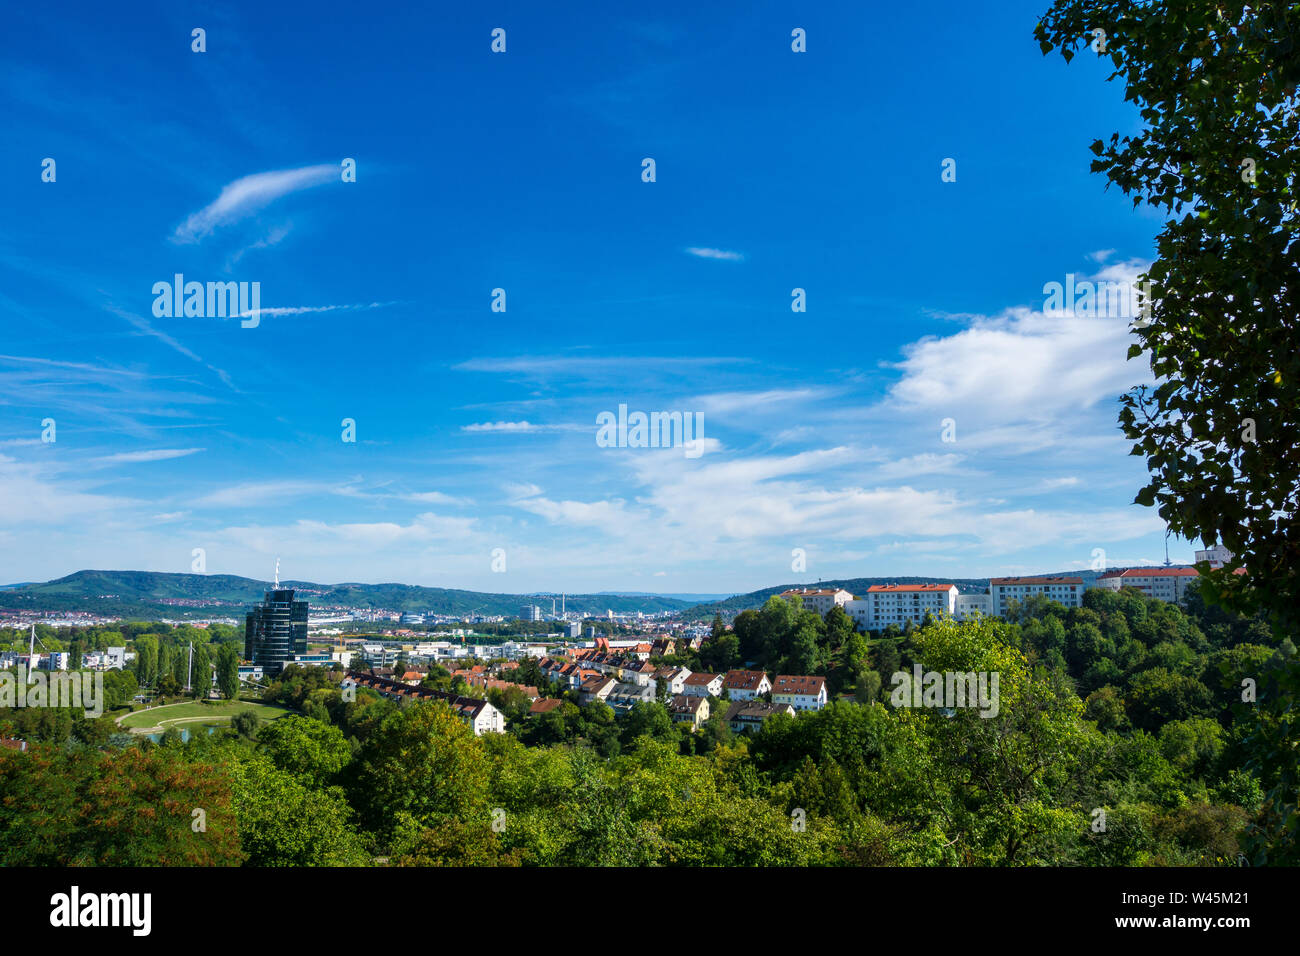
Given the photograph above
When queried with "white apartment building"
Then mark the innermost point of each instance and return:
(820, 600)
(1216, 554)
(1067, 591)
(1167, 584)
(887, 604)
(969, 605)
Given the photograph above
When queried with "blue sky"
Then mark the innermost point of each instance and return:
(475, 429)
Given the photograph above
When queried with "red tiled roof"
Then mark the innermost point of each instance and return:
(701, 678)
(795, 684)
(743, 680)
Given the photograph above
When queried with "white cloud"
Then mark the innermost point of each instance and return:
(157, 454)
(304, 309)
(502, 427)
(248, 194)
(272, 238)
(255, 493)
(776, 399)
(704, 253)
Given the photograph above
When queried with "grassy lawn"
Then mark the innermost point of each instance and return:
(198, 712)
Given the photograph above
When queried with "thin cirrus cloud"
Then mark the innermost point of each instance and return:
(156, 454)
(523, 426)
(305, 309)
(702, 252)
(247, 195)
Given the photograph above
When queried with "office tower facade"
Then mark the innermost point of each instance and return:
(275, 631)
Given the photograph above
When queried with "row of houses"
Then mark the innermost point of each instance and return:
(625, 685)
(480, 715)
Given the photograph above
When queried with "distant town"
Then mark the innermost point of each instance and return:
(617, 659)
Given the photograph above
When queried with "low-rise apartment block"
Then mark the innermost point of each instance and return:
(1064, 590)
(1167, 584)
(820, 600)
(886, 604)
(971, 605)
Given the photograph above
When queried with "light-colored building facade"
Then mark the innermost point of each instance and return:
(693, 710)
(886, 604)
(970, 605)
(801, 693)
(701, 684)
(820, 600)
(1064, 590)
(1167, 584)
(1216, 554)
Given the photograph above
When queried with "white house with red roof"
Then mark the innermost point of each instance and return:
(746, 685)
(801, 693)
(701, 684)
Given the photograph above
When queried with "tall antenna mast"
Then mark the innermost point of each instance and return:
(31, 649)
(189, 670)
(277, 574)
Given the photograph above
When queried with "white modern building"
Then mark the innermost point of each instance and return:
(1216, 554)
(1067, 591)
(1167, 584)
(54, 661)
(970, 605)
(887, 604)
(820, 600)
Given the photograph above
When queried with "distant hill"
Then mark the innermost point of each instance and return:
(154, 593)
(754, 599)
(151, 594)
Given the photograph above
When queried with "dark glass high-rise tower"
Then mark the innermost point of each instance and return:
(276, 630)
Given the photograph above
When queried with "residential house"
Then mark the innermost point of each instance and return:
(746, 685)
(596, 688)
(745, 715)
(626, 696)
(674, 678)
(693, 710)
(480, 715)
(801, 693)
(703, 685)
